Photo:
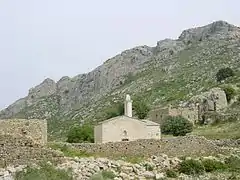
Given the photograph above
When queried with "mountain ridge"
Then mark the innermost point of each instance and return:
(159, 74)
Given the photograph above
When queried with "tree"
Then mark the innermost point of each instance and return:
(176, 125)
(79, 134)
(230, 93)
(224, 73)
(141, 108)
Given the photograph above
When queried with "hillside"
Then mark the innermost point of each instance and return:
(171, 72)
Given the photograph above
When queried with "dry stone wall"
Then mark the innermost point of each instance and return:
(34, 129)
(23, 150)
(179, 146)
(159, 114)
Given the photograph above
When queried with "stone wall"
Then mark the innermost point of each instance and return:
(17, 150)
(158, 115)
(177, 146)
(189, 113)
(34, 129)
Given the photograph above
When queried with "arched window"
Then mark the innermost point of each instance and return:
(125, 138)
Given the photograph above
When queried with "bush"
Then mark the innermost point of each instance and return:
(233, 163)
(213, 165)
(232, 118)
(230, 93)
(97, 176)
(141, 108)
(46, 172)
(79, 134)
(171, 173)
(108, 174)
(224, 73)
(103, 175)
(191, 167)
(148, 167)
(177, 126)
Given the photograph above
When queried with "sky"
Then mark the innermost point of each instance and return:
(42, 39)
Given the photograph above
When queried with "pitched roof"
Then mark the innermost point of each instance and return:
(147, 122)
(150, 123)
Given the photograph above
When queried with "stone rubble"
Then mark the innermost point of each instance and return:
(152, 168)
(85, 168)
(8, 172)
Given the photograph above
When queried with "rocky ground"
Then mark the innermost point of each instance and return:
(154, 168)
(158, 167)
(85, 168)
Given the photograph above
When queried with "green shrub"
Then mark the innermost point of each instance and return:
(224, 73)
(191, 167)
(103, 175)
(213, 165)
(230, 93)
(79, 134)
(134, 159)
(171, 173)
(46, 172)
(108, 174)
(233, 163)
(148, 167)
(177, 126)
(97, 176)
(232, 118)
(141, 108)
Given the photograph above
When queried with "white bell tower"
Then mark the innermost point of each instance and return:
(128, 106)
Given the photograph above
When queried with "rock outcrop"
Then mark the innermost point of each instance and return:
(212, 100)
(217, 30)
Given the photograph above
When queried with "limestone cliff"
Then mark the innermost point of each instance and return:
(171, 71)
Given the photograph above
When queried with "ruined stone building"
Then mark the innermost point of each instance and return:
(159, 114)
(196, 108)
(126, 128)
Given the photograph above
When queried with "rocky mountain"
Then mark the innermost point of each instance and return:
(170, 72)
